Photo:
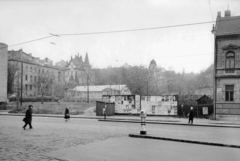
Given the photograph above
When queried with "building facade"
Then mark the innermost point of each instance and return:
(32, 72)
(37, 75)
(77, 72)
(3, 72)
(227, 67)
(81, 93)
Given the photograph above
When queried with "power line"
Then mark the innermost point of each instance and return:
(27, 25)
(210, 9)
(142, 29)
(28, 41)
(118, 31)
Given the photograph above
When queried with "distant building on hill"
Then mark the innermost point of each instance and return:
(96, 92)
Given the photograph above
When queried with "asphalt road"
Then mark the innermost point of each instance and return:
(51, 134)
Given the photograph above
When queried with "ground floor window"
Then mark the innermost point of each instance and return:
(229, 92)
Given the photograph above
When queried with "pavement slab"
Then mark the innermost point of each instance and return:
(136, 149)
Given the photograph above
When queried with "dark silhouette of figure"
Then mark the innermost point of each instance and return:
(28, 118)
(67, 116)
(191, 116)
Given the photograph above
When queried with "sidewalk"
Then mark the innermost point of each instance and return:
(135, 149)
(149, 119)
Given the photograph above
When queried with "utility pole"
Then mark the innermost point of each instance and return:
(87, 88)
(147, 89)
(21, 83)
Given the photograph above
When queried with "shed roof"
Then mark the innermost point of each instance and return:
(98, 88)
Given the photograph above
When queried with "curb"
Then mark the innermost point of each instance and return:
(164, 122)
(36, 115)
(168, 123)
(184, 141)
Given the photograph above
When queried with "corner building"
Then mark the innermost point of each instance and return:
(227, 67)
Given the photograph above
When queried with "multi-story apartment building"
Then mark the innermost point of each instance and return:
(3, 72)
(36, 73)
(227, 67)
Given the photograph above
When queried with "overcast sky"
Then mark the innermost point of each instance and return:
(178, 48)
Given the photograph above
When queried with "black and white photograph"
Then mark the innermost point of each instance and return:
(120, 80)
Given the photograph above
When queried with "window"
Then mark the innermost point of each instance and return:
(35, 78)
(26, 87)
(30, 78)
(229, 92)
(26, 77)
(230, 62)
(30, 87)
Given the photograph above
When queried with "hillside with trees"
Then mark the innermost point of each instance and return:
(155, 80)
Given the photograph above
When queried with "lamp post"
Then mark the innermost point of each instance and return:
(182, 110)
(87, 73)
(21, 82)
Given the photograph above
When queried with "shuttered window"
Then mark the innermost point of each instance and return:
(230, 62)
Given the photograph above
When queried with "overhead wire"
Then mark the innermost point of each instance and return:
(118, 31)
(210, 9)
(46, 37)
(27, 25)
(142, 29)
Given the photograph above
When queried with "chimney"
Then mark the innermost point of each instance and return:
(219, 14)
(227, 13)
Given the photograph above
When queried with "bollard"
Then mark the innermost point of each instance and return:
(143, 115)
(105, 111)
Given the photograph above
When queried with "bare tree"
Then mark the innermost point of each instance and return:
(14, 74)
(44, 84)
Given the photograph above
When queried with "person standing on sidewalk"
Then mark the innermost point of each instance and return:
(191, 116)
(67, 116)
(28, 117)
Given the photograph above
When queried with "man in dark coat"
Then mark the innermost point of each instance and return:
(28, 118)
(67, 116)
(191, 116)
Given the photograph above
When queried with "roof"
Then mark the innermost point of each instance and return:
(34, 63)
(227, 25)
(204, 96)
(99, 88)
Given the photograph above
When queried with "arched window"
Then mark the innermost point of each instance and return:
(230, 62)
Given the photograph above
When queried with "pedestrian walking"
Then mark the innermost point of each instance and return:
(67, 116)
(28, 117)
(191, 116)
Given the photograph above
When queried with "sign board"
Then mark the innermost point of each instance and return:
(205, 110)
(219, 89)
